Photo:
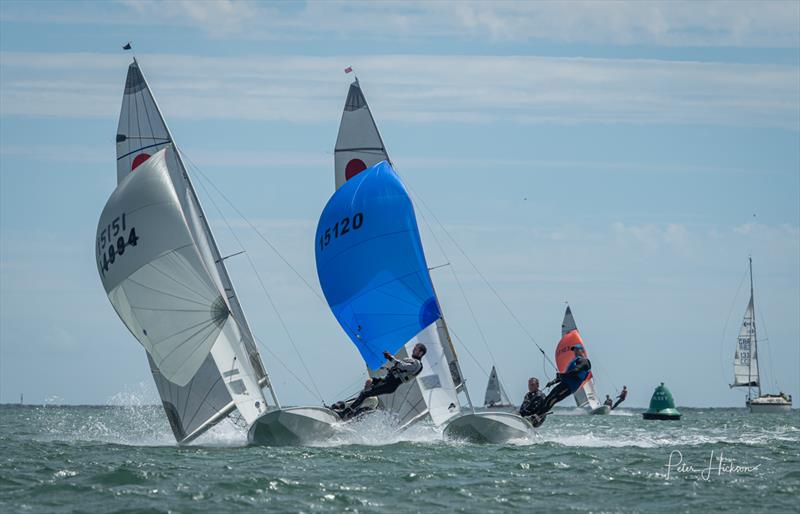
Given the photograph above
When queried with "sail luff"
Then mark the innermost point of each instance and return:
(755, 336)
(227, 283)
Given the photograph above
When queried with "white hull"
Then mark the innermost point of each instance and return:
(293, 426)
(488, 427)
(769, 405)
(601, 410)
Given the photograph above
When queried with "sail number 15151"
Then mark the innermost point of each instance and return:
(341, 228)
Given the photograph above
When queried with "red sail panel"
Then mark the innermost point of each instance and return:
(564, 355)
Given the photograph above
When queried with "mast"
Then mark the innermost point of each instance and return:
(755, 339)
(227, 283)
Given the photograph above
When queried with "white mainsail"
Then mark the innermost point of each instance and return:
(745, 359)
(167, 281)
(586, 396)
(435, 391)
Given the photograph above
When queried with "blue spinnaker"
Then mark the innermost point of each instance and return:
(371, 264)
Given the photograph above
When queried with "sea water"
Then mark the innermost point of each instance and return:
(124, 458)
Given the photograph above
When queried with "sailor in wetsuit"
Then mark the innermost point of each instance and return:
(569, 381)
(530, 404)
(400, 372)
(621, 397)
(609, 402)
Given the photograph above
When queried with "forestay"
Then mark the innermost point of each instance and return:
(164, 275)
(745, 360)
(374, 275)
(586, 395)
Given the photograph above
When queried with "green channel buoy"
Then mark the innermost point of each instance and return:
(662, 406)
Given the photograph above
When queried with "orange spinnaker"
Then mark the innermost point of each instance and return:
(564, 355)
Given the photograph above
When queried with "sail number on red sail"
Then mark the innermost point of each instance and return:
(113, 241)
(340, 228)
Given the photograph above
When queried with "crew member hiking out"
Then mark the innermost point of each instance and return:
(530, 404)
(621, 398)
(569, 381)
(400, 372)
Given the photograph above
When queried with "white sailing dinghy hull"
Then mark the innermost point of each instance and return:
(293, 426)
(601, 410)
(488, 427)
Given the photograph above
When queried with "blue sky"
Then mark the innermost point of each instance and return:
(609, 154)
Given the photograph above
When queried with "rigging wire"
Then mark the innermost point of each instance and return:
(257, 231)
(258, 276)
(486, 281)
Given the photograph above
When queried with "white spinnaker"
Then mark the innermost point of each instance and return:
(225, 379)
(358, 146)
(745, 360)
(160, 286)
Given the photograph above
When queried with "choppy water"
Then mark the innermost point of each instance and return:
(102, 459)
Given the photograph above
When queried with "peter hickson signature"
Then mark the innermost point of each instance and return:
(721, 465)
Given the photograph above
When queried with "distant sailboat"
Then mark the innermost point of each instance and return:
(586, 395)
(380, 289)
(746, 372)
(167, 281)
(496, 397)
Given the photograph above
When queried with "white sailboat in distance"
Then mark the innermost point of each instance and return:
(746, 371)
(496, 397)
(164, 275)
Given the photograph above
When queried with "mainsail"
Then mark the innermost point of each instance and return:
(166, 279)
(374, 275)
(495, 395)
(745, 359)
(359, 144)
(586, 395)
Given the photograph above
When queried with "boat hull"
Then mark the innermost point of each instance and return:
(294, 426)
(495, 427)
(661, 416)
(769, 405)
(601, 410)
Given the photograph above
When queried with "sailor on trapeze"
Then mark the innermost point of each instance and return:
(400, 372)
(568, 382)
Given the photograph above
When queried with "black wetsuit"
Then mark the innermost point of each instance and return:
(531, 403)
(568, 383)
(401, 371)
(620, 398)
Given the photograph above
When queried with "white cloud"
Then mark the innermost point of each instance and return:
(414, 89)
(676, 23)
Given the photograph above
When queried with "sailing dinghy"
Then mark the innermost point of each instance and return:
(586, 395)
(164, 275)
(746, 371)
(378, 285)
(496, 397)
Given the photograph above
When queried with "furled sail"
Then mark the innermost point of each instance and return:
(170, 286)
(586, 395)
(745, 360)
(495, 395)
(374, 275)
(359, 144)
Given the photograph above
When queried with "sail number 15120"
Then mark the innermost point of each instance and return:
(341, 228)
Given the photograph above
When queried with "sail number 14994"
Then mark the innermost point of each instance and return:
(113, 241)
(341, 228)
